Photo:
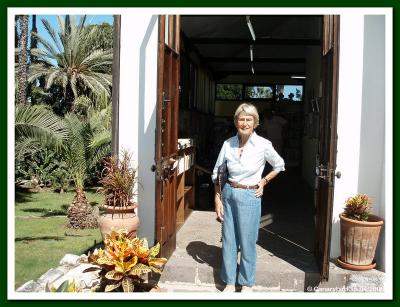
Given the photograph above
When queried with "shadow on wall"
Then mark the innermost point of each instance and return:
(146, 139)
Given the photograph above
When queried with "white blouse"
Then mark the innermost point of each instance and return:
(248, 168)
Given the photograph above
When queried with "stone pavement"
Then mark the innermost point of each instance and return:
(282, 265)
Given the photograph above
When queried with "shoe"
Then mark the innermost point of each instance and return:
(247, 289)
(229, 289)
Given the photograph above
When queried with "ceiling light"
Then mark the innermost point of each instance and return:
(251, 53)
(252, 68)
(253, 35)
(297, 77)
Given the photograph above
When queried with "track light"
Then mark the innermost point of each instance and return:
(251, 53)
(253, 35)
(252, 68)
(297, 77)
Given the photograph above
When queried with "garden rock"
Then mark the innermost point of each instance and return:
(71, 268)
(82, 280)
(72, 260)
(31, 286)
(50, 276)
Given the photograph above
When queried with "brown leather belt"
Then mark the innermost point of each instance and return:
(243, 186)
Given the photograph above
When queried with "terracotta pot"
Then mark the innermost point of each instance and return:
(358, 241)
(119, 210)
(118, 218)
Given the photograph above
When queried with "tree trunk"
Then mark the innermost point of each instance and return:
(80, 212)
(16, 37)
(22, 77)
(33, 58)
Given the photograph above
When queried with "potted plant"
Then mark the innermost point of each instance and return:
(118, 184)
(123, 262)
(359, 234)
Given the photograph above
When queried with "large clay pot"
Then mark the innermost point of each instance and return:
(117, 218)
(358, 241)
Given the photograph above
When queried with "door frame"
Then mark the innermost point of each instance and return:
(326, 159)
(166, 145)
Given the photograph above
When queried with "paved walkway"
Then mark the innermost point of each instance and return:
(282, 265)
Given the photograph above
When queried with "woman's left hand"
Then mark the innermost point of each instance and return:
(260, 190)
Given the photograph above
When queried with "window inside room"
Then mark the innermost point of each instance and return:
(289, 93)
(229, 91)
(259, 92)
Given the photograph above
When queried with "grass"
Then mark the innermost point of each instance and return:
(41, 238)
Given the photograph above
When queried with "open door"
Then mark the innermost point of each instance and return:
(326, 160)
(167, 132)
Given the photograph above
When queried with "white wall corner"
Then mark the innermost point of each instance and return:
(137, 107)
(349, 116)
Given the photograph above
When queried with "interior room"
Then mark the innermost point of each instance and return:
(273, 62)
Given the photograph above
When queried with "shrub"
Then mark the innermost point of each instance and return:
(358, 207)
(123, 261)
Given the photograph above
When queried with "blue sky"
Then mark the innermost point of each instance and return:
(90, 19)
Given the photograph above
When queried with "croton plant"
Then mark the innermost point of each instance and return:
(123, 261)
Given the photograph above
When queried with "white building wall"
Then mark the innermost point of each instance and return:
(372, 148)
(361, 118)
(137, 116)
(349, 116)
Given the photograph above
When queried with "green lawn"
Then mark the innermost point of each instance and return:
(41, 238)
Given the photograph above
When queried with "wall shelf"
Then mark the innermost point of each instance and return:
(185, 194)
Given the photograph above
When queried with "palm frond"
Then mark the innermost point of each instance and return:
(52, 34)
(40, 124)
(75, 148)
(51, 77)
(46, 44)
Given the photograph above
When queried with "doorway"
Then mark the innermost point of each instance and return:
(276, 63)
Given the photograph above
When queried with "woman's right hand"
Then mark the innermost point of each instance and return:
(219, 207)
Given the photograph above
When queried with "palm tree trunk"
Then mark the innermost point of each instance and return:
(33, 58)
(80, 212)
(22, 78)
(16, 37)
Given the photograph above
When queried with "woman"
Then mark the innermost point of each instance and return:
(239, 206)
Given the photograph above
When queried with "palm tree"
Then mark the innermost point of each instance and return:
(22, 66)
(68, 61)
(36, 127)
(89, 142)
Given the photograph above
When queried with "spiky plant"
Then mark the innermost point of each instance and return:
(358, 207)
(68, 60)
(123, 262)
(118, 181)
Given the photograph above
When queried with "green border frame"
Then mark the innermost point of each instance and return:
(395, 4)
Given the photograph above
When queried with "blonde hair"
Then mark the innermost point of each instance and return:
(249, 110)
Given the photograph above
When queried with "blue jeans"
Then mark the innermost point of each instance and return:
(242, 211)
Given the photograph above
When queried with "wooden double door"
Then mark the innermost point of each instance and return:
(167, 136)
(167, 132)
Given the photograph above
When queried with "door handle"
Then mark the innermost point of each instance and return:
(338, 174)
(321, 171)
